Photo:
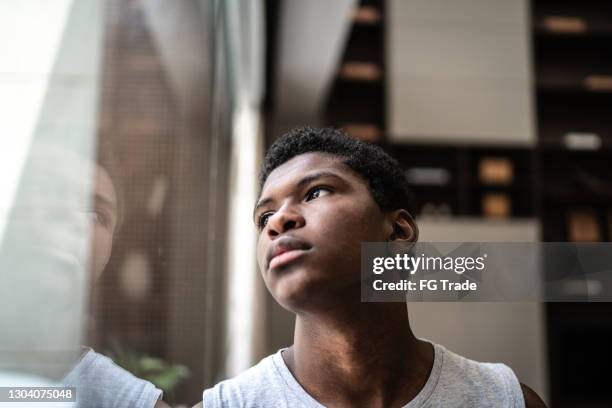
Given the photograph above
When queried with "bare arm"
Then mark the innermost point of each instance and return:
(161, 404)
(532, 399)
(198, 405)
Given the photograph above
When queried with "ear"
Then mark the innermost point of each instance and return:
(404, 227)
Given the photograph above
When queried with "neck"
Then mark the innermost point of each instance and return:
(360, 354)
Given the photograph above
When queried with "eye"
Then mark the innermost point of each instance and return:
(263, 220)
(317, 192)
(99, 217)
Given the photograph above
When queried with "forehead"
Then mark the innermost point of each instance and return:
(103, 186)
(55, 175)
(299, 166)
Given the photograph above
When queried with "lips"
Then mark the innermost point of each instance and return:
(284, 250)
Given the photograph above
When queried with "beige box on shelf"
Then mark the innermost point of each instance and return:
(367, 15)
(562, 24)
(496, 205)
(496, 170)
(602, 83)
(360, 71)
(582, 226)
(363, 131)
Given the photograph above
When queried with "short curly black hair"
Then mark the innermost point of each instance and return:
(384, 175)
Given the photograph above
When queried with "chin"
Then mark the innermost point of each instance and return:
(295, 290)
(304, 289)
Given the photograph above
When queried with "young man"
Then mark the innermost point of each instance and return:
(322, 195)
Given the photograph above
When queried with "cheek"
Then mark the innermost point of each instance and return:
(350, 224)
(343, 229)
(101, 247)
(261, 254)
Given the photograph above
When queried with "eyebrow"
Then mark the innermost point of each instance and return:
(99, 198)
(303, 181)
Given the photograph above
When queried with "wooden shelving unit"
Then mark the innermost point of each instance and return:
(572, 43)
(357, 101)
(573, 64)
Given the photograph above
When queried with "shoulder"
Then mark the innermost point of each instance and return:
(102, 381)
(494, 378)
(480, 383)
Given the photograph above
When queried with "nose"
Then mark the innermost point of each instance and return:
(284, 220)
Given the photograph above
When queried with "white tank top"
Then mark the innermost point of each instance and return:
(454, 381)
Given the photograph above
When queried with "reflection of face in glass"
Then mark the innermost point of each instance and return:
(56, 243)
(104, 219)
(65, 201)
